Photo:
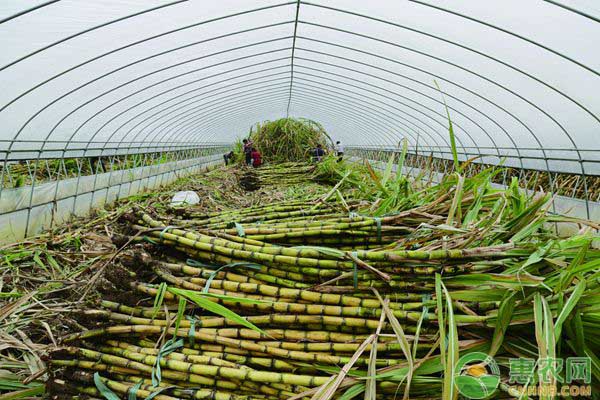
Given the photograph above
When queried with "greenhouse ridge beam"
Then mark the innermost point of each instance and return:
(27, 11)
(287, 112)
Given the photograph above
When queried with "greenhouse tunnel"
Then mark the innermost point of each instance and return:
(103, 100)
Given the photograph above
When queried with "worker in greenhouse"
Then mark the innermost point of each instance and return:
(339, 150)
(248, 150)
(256, 158)
(228, 157)
(318, 153)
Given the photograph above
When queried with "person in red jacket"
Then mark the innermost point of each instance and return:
(256, 158)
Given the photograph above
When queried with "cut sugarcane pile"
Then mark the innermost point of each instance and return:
(280, 175)
(269, 301)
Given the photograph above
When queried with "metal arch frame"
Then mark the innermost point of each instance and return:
(492, 26)
(190, 110)
(419, 52)
(395, 101)
(218, 119)
(4, 107)
(203, 123)
(139, 42)
(126, 149)
(65, 39)
(287, 112)
(218, 122)
(172, 135)
(309, 97)
(193, 116)
(217, 107)
(169, 79)
(546, 48)
(457, 66)
(351, 116)
(493, 121)
(205, 67)
(476, 52)
(360, 106)
(518, 120)
(573, 10)
(308, 100)
(28, 10)
(153, 120)
(125, 66)
(206, 93)
(490, 138)
(127, 152)
(183, 85)
(165, 109)
(203, 97)
(122, 68)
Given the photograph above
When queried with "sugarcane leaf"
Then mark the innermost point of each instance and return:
(388, 169)
(424, 312)
(103, 389)
(450, 132)
(158, 299)
(539, 254)
(201, 300)
(331, 388)
(399, 173)
(157, 392)
(440, 315)
(352, 392)
(455, 213)
(371, 384)
(375, 178)
(402, 340)
(505, 312)
(450, 392)
(567, 276)
(179, 317)
(512, 281)
(568, 307)
(544, 333)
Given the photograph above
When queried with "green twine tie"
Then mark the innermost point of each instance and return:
(166, 228)
(132, 392)
(169, 347)
(192, 330)
(240, 230)
(232, 265)
(378, 221)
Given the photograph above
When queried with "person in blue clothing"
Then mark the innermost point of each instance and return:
(318, 153)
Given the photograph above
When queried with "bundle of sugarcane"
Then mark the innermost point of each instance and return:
(255, 354)
(289, 173)
(474, 263)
